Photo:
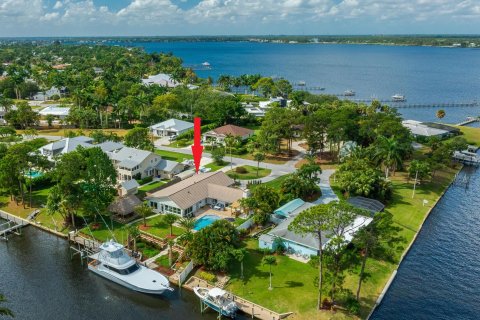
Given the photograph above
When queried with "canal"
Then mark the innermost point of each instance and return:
(41, 282)
(440, 276)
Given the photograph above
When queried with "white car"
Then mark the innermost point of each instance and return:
(205, 170)
(171, 138)
(219, 207)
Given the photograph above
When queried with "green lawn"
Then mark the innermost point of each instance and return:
(215, 167)
(275, 183)
(152, 185)
(472, 135)
(292, 281)
(102, 233)
(174, 156)
(251, 173)
(39, 199)
(54, 221)
(157, 227)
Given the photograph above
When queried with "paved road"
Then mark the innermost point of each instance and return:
(277, 169)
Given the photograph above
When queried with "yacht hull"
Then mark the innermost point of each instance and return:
(124, 283)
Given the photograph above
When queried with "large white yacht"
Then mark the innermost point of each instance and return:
(114, 263)
(398, 98)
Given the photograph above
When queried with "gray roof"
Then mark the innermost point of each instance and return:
(130, 184)
(129, 155)
(187, 192)
(371, 205)
(173, 124)
(167, 165)
(109, 146)
(69, 144)
(129, 164)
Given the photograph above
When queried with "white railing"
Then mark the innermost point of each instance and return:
(184, 274)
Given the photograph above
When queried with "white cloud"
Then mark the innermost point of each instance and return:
(224, 16)
(58, 5)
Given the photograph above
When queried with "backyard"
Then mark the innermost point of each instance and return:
(157, 227)
(173, 156)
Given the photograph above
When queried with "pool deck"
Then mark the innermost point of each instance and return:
(205, 211)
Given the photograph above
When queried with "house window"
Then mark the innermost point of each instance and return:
(170, 209)
(154, 205)
(189, 210)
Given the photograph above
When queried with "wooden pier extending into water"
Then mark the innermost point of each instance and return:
(248, 307)
(468, 121)
(403, 104)
(14, 224)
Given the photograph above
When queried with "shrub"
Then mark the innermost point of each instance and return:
(207, 276)
(144, 180)
(241, 170)
(351, 304)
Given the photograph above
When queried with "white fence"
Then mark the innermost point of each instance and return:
(247, 224)
(184, 274)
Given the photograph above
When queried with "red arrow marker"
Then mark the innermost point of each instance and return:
(197, 148)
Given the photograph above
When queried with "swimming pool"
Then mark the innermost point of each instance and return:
(205, 221)
(33, 174)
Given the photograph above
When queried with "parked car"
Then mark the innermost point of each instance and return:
(171, 138)
(204, 170)
(219, 207)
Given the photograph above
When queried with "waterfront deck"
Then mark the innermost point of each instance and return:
(13, 224)
(248, 307)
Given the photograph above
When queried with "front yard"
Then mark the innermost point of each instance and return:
(248, 173)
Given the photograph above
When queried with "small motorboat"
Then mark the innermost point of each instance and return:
(114, 263)
(349, 93)
(206, 64)
(399, 98)
(218, 300)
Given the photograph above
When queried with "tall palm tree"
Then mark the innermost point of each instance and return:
(5, 311)
(230, 142)
(389, 153)
(144, 210)
(188, 224)
(170, 219)
(270, 261)
(259, 156)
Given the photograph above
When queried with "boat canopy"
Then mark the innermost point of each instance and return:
(111, 246)
(216, 292)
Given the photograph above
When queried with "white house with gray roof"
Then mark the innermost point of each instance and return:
(188, 196)
(170, 127)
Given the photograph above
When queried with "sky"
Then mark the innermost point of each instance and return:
(24, 18)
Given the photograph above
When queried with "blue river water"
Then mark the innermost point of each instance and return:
(426, 75)
(440, 276)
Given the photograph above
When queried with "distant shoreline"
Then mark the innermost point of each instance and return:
(444, 41)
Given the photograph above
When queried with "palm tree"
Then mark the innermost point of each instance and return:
(259, 156)
(170, 219)
(133, 234)
(440, 114)
(143, 210)
(239, 255)
(5, 311)
(170, 251)
(188, 224)
(270, 261)
(230, 142)
(389, 153)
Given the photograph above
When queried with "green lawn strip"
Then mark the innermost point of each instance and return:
(251, 173)
(215, 167)
(52, 221)
(39, 199)
(268, 159)
(408, 214)
(152, 185)
(239, 221)
(164, 261)
(275, 183)
(292, 281)
(157, 227)
(174, 156)
(471, 134)
(102, 233)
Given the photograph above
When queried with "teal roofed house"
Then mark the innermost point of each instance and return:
(287, 209)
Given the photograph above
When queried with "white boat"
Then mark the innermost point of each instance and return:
(398, 98)
(349, 93)
(206, 64)
(114, 263)
(218, 300)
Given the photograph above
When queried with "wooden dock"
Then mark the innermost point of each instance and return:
(468, 121)
(404, 104)
(13, 224)
(248, 307)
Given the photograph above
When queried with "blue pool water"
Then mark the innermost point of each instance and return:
(34, 174)
(205, 221)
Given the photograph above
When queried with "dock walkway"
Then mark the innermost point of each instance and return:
(12, 225)
(253, 309)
